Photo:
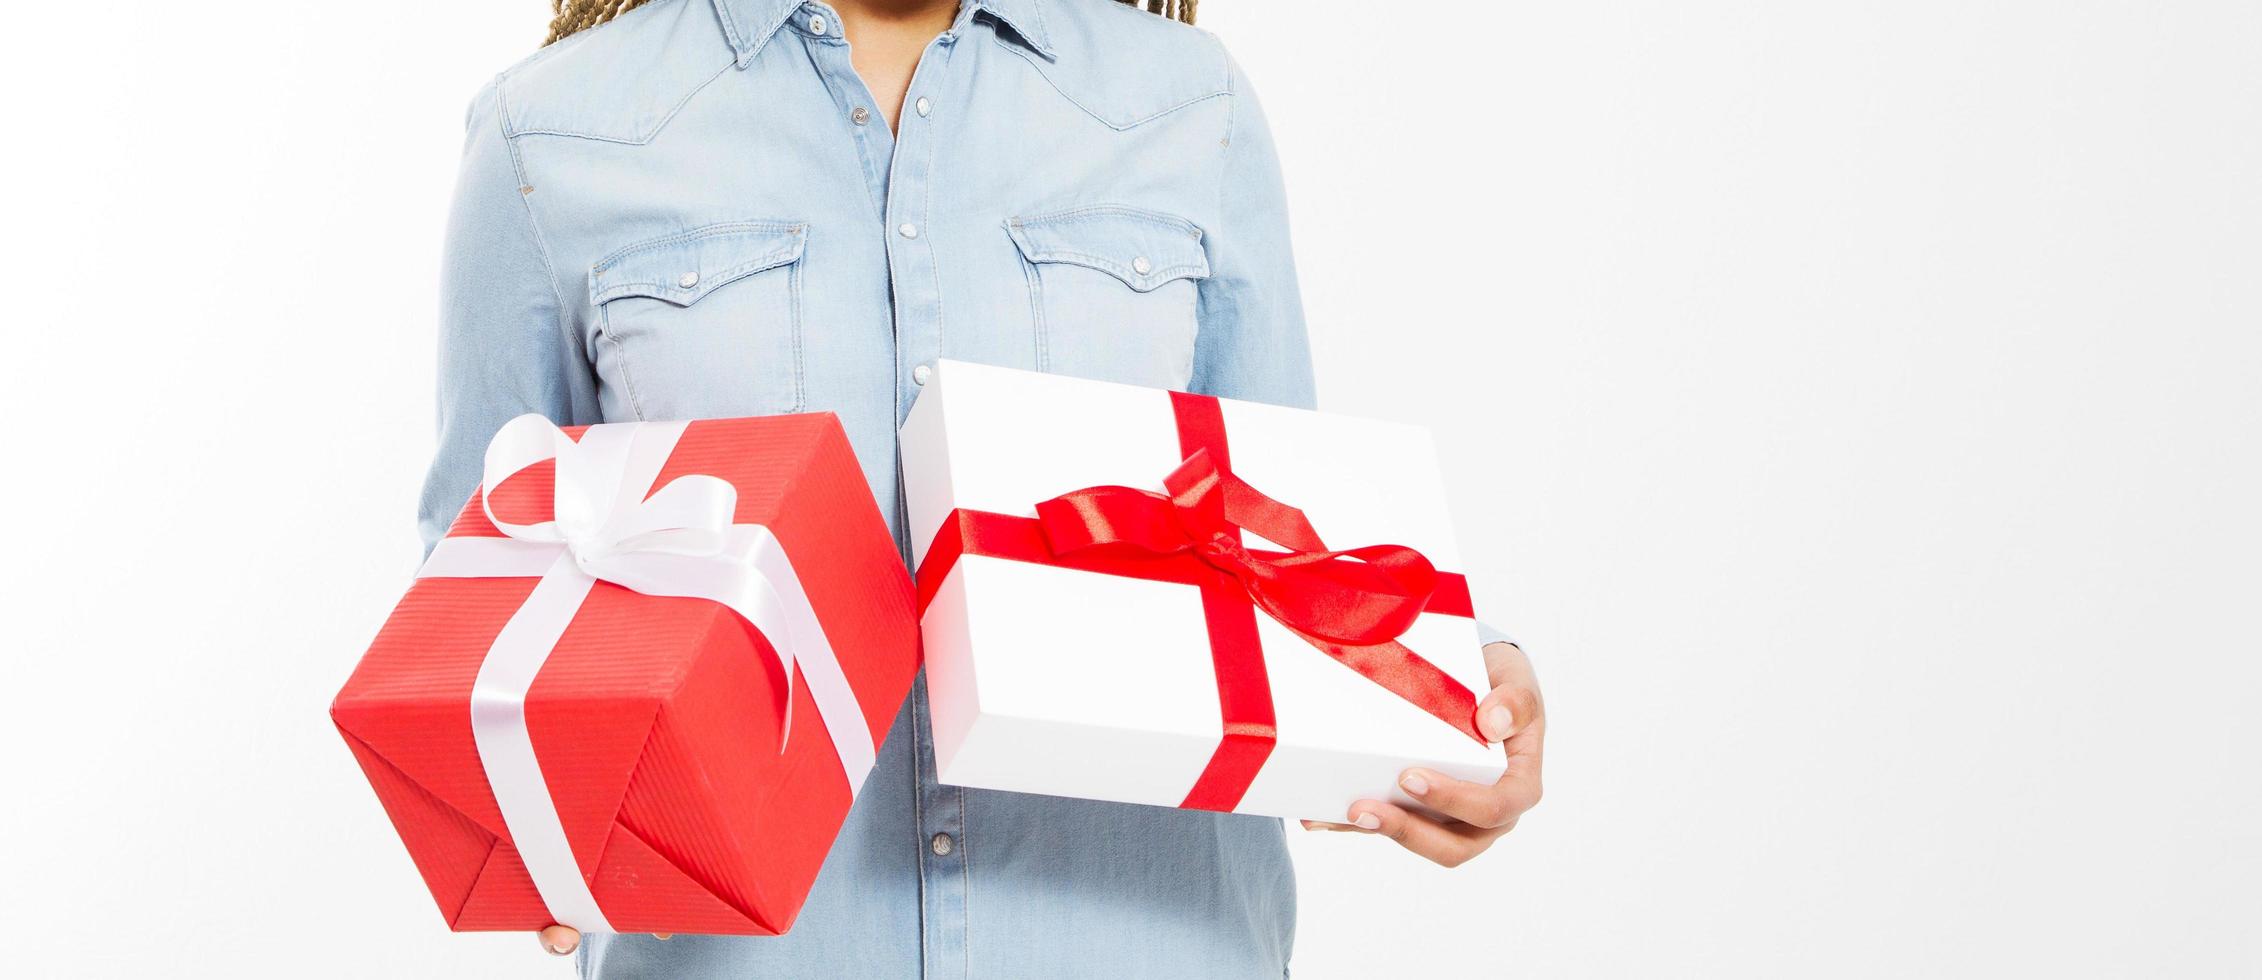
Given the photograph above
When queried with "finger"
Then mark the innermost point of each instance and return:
(1527, 750)
(561, 940)
(1513, 704)
(663, 936)
(1487, 805)
(1329, 826)
(1416, 833)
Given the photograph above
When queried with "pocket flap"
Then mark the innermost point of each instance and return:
(683, 267)
(1143, 248)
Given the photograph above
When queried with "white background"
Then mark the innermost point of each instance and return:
(1857, 401)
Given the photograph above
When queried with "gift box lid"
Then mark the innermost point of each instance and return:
(998, 439)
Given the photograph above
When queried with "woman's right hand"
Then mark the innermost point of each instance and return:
(563, 940)
(560, 940)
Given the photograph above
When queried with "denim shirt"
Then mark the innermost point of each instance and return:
(698, 211)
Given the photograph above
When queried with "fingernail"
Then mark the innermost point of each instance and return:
(1498, 722)
(1308, 825)
(558, 949)
(1414, 783)
(1367, 821)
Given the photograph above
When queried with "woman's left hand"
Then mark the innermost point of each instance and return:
(1476, 814)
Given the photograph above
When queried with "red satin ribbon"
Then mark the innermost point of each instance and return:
(1350, 605)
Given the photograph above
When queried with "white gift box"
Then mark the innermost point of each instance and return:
(1072, 682)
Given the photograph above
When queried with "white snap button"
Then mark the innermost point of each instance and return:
(923, 106)
(1141, 266)
(688, 280)
(921, 374)
(860, 115)
(907, 230)
(817, 26)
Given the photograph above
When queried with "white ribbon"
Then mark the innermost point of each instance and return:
(679, 541)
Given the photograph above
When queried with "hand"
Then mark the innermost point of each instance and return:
(1477, 814)
(563, 940)
(560, 940)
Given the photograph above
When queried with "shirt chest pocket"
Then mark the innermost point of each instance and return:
(1114, 292)
(705, 323)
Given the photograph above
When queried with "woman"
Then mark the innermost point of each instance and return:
(706, 208)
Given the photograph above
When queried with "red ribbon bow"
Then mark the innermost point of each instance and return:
(1360, 597)
(1350, 605)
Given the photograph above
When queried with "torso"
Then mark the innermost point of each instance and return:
(730, 236)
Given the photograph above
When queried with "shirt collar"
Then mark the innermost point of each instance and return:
(1025, 17)
(749, 24)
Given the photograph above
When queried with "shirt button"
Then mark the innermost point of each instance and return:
(907, 230)
(923, 106)
(860, 115)
(688, 280)
(817, 26)
(941, 845)
(919, 376)
(1141, 266)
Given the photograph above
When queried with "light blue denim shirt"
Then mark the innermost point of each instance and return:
(697, 211)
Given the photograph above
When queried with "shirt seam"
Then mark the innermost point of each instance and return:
(562, 322)
(919, 821)
(644, 139)
(1120, 271)
(1102, 212)
(927, 215)
(965, 890)
(1225, 150)
(1087, 110)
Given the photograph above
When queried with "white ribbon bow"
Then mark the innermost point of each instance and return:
(678, 541)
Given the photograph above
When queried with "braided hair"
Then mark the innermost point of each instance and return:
(574, 16)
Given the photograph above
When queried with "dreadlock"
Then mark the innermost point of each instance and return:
(1178, 10)
(574, 16)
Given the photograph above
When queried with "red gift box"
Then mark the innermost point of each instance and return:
(670, 696)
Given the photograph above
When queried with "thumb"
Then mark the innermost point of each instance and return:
(561, 940)
(1513, 703)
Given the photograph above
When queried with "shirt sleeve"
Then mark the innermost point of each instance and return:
(505, 345)
(1252, 343)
